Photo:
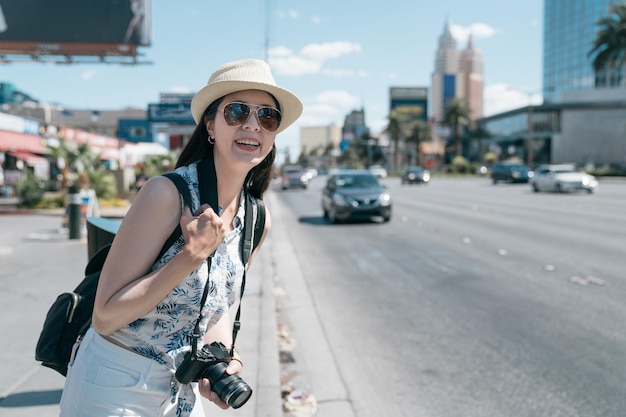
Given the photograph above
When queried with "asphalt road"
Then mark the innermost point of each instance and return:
(474, 300)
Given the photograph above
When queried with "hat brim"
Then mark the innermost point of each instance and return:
(290, 105)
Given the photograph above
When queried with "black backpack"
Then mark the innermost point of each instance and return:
(69, 317)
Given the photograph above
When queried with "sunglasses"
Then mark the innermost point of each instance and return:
(237, 113)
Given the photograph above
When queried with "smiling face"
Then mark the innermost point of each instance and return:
(248, 143)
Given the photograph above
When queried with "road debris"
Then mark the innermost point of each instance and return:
(299, 403)
(589, 279)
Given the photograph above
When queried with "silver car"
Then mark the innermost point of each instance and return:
(351, 194)
(562, 178)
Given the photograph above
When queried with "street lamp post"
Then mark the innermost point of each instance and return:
(529, 133)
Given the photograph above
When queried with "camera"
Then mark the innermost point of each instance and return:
(211, 362)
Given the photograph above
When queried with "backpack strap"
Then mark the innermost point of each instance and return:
(207, 182)
(259, 225)
(253, 228)
(96, 261)
(183, 189)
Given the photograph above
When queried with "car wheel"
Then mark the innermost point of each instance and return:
(589, 190)
(535, 188)
(558, 188)
(386, 218)
(332, 216)
(495, 181)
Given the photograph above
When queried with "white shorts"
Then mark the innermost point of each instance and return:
(107, 380)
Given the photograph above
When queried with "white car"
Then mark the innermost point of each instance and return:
(379, 171)
(561, 178)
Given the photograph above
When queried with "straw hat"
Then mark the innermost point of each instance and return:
(245, 75)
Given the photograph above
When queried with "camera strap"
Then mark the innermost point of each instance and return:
(252, 232)
(251, 237)
(207, 183)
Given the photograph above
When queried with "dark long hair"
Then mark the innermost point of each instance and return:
(258, 179)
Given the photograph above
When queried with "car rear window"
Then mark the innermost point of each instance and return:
(356, 181)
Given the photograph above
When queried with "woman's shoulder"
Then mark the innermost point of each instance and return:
(160, 189)
(188, 171)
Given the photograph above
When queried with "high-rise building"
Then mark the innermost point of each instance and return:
(569, 31)
(581, 120)
(354, 128)
(471, 75)
(457, 74)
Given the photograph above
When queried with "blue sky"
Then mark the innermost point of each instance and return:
(337, 56)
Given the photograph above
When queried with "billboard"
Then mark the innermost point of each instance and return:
(75, 27)
(170, 113)
(410, 102)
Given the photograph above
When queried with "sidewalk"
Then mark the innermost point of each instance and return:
(39, 262)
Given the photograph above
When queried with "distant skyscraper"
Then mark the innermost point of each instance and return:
(443, 81)
(354, 128)
(568, 34)
(471, 76)
(457, 74)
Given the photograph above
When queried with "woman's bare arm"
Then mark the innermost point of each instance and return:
(126, 290)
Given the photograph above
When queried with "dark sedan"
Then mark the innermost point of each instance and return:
(355, 194)
(510, 172)
(415, 175)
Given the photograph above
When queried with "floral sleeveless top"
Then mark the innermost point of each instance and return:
(164, 334)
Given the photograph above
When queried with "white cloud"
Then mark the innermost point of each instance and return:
(328, 107)
(311, 58)
(280, 52)
(344, 73)
(337, 97)
(379, 126)
(293, 65)
(502, 97)
(87, 75)
(319, 114)
(324, 51)
(478, 31)
(291, 14)
(179, 89)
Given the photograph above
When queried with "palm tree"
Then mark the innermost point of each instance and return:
(72, 159)
(476, 135)
(60, 155)
(328, 154)
(609, 47)
(394, 129)
(420, 133)
(458, 115)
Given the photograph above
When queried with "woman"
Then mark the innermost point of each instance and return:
(136, 6)
(145, 311)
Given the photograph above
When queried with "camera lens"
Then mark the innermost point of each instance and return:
(231, 388)
(236, 393)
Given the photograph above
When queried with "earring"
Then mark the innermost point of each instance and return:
(211, 140)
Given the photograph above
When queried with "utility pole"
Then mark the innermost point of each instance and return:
(267, 29)
(529, 133)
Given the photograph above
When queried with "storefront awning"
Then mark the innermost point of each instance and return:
(109, 154)
(30, 158)
(14, 141)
